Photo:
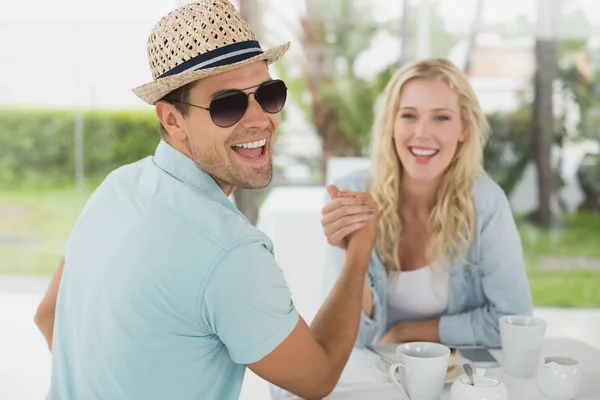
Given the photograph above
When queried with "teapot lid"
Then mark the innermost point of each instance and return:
(481, 381)
(565, 361)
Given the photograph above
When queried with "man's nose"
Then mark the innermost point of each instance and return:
(255, 117)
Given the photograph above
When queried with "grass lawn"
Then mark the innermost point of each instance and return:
(35, 225)
(578, 238)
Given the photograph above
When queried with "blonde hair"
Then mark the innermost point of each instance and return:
(452, 219)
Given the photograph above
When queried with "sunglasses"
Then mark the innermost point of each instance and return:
(227, 109)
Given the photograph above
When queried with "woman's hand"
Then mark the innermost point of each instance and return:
(412, 331)
(346, 213)
(394, 335)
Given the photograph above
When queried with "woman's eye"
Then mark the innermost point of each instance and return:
(442, 118)
(408, 116)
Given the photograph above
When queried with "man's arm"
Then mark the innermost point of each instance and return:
(44, 316)
(310, 361)
(367, 301)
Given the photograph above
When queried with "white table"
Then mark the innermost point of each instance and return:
(361, 380)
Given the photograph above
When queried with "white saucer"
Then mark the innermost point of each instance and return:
(382, 367)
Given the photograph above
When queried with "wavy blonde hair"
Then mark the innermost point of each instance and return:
(452, 219)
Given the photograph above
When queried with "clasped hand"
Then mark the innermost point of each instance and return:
(350, 219)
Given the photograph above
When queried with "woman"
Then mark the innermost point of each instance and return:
(447, 261)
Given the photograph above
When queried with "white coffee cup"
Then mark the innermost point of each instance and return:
(423, 367)
(560, 378)
(522, 338)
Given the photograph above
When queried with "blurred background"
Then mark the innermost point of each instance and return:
(68, 117)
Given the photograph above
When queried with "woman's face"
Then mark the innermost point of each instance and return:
(427, 129)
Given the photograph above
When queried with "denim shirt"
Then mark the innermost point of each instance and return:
(492, 283)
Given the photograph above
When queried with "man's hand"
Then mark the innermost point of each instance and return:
(343, 215)
(361, 242)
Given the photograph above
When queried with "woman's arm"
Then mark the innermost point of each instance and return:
(503, 278)
(412, 331)
(44, 316)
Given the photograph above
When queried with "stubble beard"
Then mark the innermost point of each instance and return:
(231, 173)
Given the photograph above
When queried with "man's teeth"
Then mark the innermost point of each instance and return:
(423, 152)
(252, 145)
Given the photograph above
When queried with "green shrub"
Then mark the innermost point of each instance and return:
(37, 145)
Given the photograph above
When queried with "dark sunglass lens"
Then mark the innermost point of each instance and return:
(271, 96)
(227, 109)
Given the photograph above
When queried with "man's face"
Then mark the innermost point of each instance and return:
(237, 156)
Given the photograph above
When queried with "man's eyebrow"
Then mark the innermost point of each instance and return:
(223, 91)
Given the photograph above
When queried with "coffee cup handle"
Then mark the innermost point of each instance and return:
(392, 374)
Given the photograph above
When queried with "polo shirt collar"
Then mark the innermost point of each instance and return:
(184, 169)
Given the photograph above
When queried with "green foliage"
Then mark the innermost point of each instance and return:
(338, 102)
(37, 145)
(30, 146)
(589, 179)
(346, 26)
(353, 100)
(507, 152)
(582, 87)
(327, 90)
(585, 91)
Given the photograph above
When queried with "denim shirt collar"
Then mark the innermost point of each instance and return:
(184, 169)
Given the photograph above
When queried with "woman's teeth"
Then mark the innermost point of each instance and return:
(423, 152)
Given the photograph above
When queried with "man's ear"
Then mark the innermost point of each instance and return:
(170, 118)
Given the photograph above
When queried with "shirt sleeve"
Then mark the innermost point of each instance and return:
(503, 281)
(248, 305)
(370, 327)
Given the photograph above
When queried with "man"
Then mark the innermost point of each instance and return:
(167, 291)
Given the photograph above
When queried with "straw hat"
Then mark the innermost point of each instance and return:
(200, 40)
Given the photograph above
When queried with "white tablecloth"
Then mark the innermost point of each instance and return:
(361, 380)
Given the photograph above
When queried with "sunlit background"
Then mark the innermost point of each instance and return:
(68, 117)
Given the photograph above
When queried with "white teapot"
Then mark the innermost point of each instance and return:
(560, 378)
(485, 388)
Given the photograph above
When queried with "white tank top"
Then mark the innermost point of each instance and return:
(415, 296)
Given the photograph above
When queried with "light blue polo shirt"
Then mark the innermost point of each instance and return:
(167, 291)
